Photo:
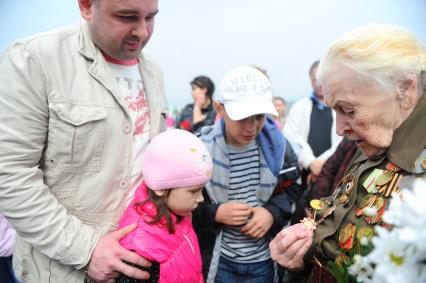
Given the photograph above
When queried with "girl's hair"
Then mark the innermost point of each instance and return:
(383, 55)
(162, 209)
(204, 82)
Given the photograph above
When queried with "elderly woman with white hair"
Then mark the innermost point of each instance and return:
(374, 77)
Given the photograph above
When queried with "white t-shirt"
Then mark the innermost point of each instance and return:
(131, 86)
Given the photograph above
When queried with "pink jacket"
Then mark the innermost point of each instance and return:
(7, 237)
(178, 253)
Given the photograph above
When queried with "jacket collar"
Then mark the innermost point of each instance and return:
(409, 139)
(87, 46)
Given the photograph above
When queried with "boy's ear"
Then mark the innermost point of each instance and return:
(159, 193)
(219, 107)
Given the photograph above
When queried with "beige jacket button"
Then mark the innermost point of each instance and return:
(127, 128)
(123, 184)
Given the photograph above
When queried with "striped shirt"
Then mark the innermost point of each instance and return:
(244, 179)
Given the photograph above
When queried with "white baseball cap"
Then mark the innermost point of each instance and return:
(245, 91)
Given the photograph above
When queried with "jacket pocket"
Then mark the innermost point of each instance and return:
(76, 137)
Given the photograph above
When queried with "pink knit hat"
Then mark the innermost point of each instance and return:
(176, 159)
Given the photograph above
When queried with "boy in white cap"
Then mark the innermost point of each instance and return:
(253, 184)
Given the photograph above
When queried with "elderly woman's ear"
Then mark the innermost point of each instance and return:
(408, 93)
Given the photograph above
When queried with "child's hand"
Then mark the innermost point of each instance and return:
(259, 224)
(233, 213)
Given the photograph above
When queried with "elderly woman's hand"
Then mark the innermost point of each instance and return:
(290, 246)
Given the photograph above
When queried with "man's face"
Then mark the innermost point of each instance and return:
(241, 132)
(315, 85)
(120, 28)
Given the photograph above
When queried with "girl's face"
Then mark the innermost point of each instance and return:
(182, 201)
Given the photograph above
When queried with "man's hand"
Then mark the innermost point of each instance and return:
(106, 262)
(259, 224)
(290, 246)
(233, 213)
(316, 166)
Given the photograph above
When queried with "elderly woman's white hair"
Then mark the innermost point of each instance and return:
(384, 55)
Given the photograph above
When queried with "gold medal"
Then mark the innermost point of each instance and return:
(317, 204)
(342, 260)
(346, 236)
(309, 223)
(343, 199)
(378, 203)
(365, 232)
(384, 178)
(345, 233)
(364, 203)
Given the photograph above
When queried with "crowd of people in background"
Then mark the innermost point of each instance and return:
(99, 183)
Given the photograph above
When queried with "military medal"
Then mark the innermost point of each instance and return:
(316, 205)
(342, 259)
(346, 236)
(380, 205)
(384, 178)
(419, 165)
(391, 186)
(392, 167)
(366, 232)
(309, 223)
(370, 182)
(368, 200)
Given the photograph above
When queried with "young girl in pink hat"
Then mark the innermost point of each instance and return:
(176, 167)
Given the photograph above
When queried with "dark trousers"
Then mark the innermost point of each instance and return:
(6, 271)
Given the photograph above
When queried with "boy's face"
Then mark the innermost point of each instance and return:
(241, 132)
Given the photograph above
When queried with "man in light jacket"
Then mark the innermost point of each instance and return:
(77, 107)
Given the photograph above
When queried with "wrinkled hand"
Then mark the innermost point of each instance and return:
(233, 213)
(106, 262)
(290, 246)
(259, 224)
(316, 166)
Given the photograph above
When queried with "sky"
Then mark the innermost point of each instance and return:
(210, 37)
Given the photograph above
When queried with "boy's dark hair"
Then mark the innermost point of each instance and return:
(162, 209)
(204, 82)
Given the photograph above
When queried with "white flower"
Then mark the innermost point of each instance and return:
(399, 254)
(370, 211)
(361, 268)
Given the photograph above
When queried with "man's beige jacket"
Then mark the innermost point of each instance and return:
(65, 149)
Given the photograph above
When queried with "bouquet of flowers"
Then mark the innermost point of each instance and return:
(397, 252)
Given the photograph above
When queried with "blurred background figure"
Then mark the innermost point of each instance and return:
(201, 112)
(7, 243)
(280, 105)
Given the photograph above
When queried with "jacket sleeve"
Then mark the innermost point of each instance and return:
(280, 204)
(25, 199)
(203, 218)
